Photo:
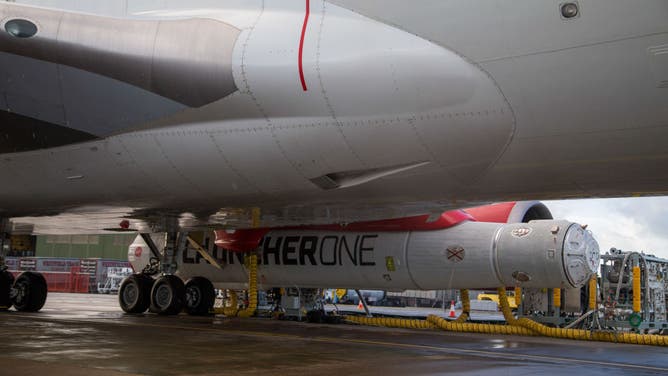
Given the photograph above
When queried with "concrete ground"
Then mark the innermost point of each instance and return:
(89, 335)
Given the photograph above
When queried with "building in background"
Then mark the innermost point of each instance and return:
(110, 247)
(72, 263)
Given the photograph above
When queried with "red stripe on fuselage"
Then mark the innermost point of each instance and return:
(301, 45)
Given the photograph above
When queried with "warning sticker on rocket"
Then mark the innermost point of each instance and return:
(389, 264)
(455, 254)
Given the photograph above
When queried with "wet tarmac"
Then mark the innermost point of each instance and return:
(89, 335)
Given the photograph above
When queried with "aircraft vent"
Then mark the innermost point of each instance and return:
(347, 179)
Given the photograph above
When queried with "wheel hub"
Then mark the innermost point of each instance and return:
(19, 292)
(163, 296)
(130, 294)
(193, 296)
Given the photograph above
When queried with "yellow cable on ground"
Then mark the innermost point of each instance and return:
(453, 326)
(250, 262)
(601, 336)
(390, 322)
(466, 306)
(252, 287)
(505, 306)
(233, 309)
(433, 321)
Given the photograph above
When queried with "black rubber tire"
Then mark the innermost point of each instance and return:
(168, 295)
(200, 296)
(6, 282)
(32, 292)
(134, 295)
(315, 317)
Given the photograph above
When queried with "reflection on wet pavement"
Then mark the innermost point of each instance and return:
(88, 335)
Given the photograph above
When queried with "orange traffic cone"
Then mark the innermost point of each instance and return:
(360, 305)
(452, 313)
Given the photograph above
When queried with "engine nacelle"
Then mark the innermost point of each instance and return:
(510, 212)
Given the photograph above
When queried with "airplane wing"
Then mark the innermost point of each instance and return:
(321, 112)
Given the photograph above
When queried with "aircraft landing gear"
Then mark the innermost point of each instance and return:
(6, 278)
(29, 292)
(134, 295)
(200, 296)
(168, 295)
(6, 282)
(157, 289)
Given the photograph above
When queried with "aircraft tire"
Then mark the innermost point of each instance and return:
(31, 292)
(200, 296)
(6, 282)
(134, 295)
(168, 295)
(315, 316)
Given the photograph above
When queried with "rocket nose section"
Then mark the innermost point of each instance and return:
(546, 253)
(581, 255)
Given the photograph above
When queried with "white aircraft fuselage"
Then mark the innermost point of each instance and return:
(323, 111)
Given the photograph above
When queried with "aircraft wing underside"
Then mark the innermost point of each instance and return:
(202, 113)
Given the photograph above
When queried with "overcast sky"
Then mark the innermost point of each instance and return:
(630, 224)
